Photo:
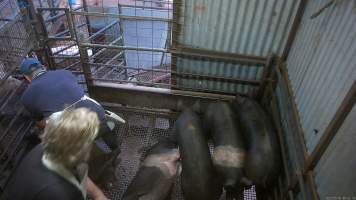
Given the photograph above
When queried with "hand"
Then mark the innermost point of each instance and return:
(94, 191)
(101, 197)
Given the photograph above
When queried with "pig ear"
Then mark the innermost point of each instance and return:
(179, 168)
(180, 105)
(197, 107)
(245, 181)
(240, 99)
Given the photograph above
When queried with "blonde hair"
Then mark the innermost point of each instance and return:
(68, 136)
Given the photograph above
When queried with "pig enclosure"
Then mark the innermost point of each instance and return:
(147, 78)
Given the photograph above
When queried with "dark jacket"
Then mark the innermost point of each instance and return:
(52, 92)
(33, 181)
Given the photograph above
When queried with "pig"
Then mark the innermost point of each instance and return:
(157, 174)
(229, 145)
(198, 179)
(263, 158)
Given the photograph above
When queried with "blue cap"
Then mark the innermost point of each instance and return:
(29, 65)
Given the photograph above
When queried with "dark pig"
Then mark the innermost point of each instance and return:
(229, 147)
(199, 180)
(263, 159)
(157, 174)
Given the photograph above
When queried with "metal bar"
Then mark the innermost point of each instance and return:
(167, 42)
(59, 15)
(84, 58)
(53, 38)
(216, 78)
(114, 57)
(102, 50)
(165, 85)
(71, 25)
(145, 7)
(108, 73)
(67, 57)
(85, 8)
(312, 185)
(67, 31)
(332, 129)
(103, 29)
(51, 9)
(293, 31)
(176, 27)
(46, 49)
(277, 120)
(122, 47)
(122, 36)
(140, 110)
(284, 74)
(265, 75)
(151, 97)
(127, 17)
(216, 55)
(68, 67)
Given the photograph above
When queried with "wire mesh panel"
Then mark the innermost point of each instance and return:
(8, 11)
(16, 126)
(16, 41)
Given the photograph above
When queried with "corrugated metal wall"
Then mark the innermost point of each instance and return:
(336, 175)
(322, 68)
(322, 64)
(252, 27)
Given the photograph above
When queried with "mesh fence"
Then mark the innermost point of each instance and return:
(15, 127)
(16, 41)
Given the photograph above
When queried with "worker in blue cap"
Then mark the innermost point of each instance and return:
(54, 91)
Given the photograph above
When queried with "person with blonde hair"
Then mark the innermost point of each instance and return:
(57, 168)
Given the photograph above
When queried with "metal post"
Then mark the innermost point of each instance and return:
(86, 67)
(266, 74)
(43, 41)
(176, 31)
(122, 39)
(85, 8)
(300, 133)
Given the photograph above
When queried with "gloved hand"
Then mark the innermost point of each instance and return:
(115, 116)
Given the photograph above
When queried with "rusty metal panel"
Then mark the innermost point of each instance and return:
(321, 64)
(334, 173)
(245, 27)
